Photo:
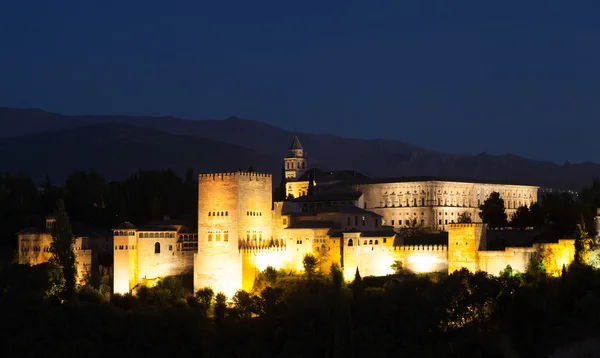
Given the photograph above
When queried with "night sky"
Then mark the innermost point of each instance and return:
(465, 77)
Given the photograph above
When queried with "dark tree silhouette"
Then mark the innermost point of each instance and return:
(61, 248)
(492, 211)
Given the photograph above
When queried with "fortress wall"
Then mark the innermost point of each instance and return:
(422, 258)
(557, 255)
(169, 262)
(494, 262)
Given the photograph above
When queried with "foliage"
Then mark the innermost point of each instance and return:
(492, 211)
(220, 307)
(205, 297)
(464, 218)
(397, 266)
(61, 248)
(522, 218)
(583, 244)
(309, 262)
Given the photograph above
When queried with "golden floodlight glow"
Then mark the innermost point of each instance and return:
(423, 263)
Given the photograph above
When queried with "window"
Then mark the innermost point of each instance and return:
(348, 221)
(376, 242)
(157, 248)
(284, 221)
(218, 236)
(392, 222)
(226, 236)
(384, 240)
(356, 220)
(350, 243)
(209, 236)
(170, 247)
(120, 247)
(370, 242)
(209, 213)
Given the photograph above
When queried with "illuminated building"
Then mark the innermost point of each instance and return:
(347, 218)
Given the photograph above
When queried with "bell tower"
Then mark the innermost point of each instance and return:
(295, 162)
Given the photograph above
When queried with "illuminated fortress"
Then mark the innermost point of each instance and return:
(339, 217)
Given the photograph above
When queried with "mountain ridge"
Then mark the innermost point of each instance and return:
(268, 144)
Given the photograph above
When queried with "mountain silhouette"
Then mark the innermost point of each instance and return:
(143, 142)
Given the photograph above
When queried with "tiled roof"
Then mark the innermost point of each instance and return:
(330, 196)
(313, 224)
(125, 226)
(442, 179)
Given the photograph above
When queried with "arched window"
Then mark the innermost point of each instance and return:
(376, 242)
(370, 242)
(157, 248)
(209, 213)
(350, 243)
(227, 213)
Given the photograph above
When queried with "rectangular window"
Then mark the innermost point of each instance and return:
(209, 236)
(170, 247)
(226, 236)
(218, 236)
(440, 222)
(284, 221)
(422, 222)
(384, 240)
(392, 222)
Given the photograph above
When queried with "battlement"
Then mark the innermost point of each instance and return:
(421, 248)
(456, 226)
(232, 175)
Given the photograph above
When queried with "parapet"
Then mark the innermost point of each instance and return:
(232, 175)
(456, 226)
(421, 248)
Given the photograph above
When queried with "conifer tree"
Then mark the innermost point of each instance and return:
(61, 247)
(357, 286)
(282, 185)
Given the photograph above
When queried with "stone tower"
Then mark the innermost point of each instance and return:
(295, 162)
(125, 275)
(464, 243)
(233, 209)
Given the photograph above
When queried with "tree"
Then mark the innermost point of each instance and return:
(396, 266)
(464, 218)
(205, 297)
(269, 276)
(521, 219)
(583, 243)
(492, 211)
(220, 307)
(61, 248)
(282, 185)
(357, 287)
(337, 276)
(310, 264)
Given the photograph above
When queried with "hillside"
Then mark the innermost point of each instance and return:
(118, 150)
(378, 158)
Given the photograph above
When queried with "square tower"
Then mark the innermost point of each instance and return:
(233, 208)
(295, 163)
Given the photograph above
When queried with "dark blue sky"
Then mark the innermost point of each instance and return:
(457, 76)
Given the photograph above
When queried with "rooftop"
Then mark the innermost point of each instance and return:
(442, 179)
